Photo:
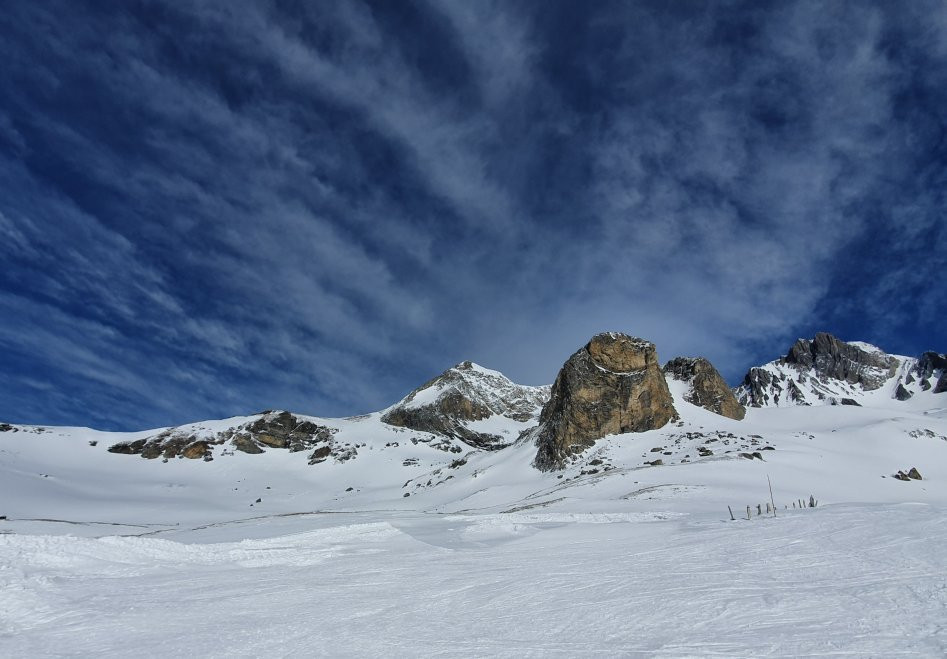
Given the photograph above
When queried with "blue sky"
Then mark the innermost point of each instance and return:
(213, 208)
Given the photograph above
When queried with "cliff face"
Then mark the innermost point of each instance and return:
(821, 370)
(829, 357)
(610, 386)
(707, 388)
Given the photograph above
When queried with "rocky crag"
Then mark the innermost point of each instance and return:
(272, 430)
(827, 371)
(820, 370)
(612, 385)
(929, 366)
(707, 388)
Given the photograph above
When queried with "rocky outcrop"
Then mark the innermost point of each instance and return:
(283, 430)
(707, 388)
(612, 385)
(819, 371)
(280, 430)
(930, 365)
(901, 393)
(830, 357)
(448, 405)
(761, 387)
(167, 444)
(912, 475)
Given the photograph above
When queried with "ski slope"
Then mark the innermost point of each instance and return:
(844, 580)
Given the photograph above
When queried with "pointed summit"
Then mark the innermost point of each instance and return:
(457, 402)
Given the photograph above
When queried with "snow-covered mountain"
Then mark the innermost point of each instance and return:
(469, 421)
(481, 407)
(827, 371)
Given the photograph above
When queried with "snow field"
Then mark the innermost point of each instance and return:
(841, 580)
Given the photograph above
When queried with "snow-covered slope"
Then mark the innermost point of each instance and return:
(363, 463)
(392, 540)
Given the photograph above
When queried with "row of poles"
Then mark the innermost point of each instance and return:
(771, 505)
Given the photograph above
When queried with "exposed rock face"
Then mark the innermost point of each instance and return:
(707, 388)
(196, 450)
(929, 365)
(823, 370)
(463, 394)
(901, 393)
(831, 358)
(271, 429)
(929, 362)
(283, 430)
(612, 385)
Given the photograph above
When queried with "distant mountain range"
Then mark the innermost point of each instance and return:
(611, 386)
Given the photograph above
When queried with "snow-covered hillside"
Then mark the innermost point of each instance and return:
(284, 533)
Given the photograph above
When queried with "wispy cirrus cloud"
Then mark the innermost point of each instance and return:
(209, 209)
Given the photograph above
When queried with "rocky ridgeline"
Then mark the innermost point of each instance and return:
(277, 430)
(826, 370)
(707, 388)
(823, 369)
(612, 385)
(463, 394)
(830, 357)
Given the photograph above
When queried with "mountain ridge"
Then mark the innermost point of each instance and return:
(469, 408)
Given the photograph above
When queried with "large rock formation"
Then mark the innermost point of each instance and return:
(707, 388)
(452, 403)
(612, 385)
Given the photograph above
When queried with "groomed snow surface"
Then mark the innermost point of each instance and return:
(843, 581)
(113, 556)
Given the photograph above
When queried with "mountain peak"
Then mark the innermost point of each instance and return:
(456, 402)
(825, 370)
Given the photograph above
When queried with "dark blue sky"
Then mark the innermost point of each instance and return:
(212, 208)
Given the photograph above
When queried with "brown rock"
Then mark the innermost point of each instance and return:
(271, 440)
(195, 450)
(128, 448)
(613, 385)
(246, 444)
(320, 454)
(707, 388)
